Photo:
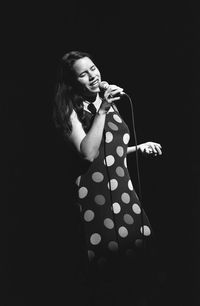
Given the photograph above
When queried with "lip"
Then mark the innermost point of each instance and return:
(94, 83)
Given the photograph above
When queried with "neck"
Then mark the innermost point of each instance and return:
(91, 98)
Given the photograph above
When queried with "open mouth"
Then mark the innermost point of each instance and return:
(94, 83)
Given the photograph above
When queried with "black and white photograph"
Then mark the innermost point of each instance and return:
(101, 154)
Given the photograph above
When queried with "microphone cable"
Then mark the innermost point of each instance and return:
(137, 162)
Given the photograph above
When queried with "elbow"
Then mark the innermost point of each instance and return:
(88, 155)
(89, 158)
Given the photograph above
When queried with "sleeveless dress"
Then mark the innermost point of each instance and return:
(115, 225)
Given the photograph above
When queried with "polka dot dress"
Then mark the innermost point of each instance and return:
(113, 220)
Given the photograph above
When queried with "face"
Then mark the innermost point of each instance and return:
(87, 75)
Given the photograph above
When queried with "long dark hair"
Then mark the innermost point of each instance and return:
(67, 93)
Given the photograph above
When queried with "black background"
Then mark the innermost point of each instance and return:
(152, 51)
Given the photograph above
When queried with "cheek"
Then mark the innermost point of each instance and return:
(83, 81)
(98, 73)
(82, 85)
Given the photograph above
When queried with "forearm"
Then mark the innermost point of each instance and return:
(91, 142)
(132, 149)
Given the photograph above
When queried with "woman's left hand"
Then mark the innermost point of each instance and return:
(150, 148)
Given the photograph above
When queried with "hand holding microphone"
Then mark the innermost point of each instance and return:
(110, 92)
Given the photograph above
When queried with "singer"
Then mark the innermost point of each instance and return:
(115, 226)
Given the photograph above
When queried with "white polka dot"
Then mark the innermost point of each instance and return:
(113, 246)
(109, 160)
(97, 177)
(78, 180)
(128, 219)
(108, 223)
(88, 215)
(109, 137)
(91, 255)
(125, 162)
(120, 171)
(117, 118)
(113, 126)
(116, 208)
(125, 197)
(145, 230)
(113, 184)
(136, 209)
(130, 186)
(95, 239)
(123, 232)
(126, 138)
(100, 199)
(82, 192)
(120, 151)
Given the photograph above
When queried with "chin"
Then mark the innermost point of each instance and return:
(94, 91)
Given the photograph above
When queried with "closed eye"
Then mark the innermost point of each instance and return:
(93, 68)
(82, 74)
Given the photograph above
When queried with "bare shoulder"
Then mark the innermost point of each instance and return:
(73, 115)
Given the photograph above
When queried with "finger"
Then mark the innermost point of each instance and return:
(115, 94)
(151, 143)
(117, 88)
(157, 144)
(159, 150)
(114, 87)
(156, 147)
(109, 98)
(153, 149)
(116, 91)
(114, 99)
(148, 150)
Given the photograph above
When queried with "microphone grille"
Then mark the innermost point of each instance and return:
(103, 85)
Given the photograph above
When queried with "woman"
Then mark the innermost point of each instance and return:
(115, 226)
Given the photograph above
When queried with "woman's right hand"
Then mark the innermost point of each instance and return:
(110, 95)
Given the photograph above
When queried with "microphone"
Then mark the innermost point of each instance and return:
(103, 86)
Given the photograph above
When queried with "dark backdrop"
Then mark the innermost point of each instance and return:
(152, 51)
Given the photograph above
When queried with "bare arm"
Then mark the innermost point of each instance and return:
(87, 144)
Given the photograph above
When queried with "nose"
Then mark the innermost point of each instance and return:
(91, 75)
